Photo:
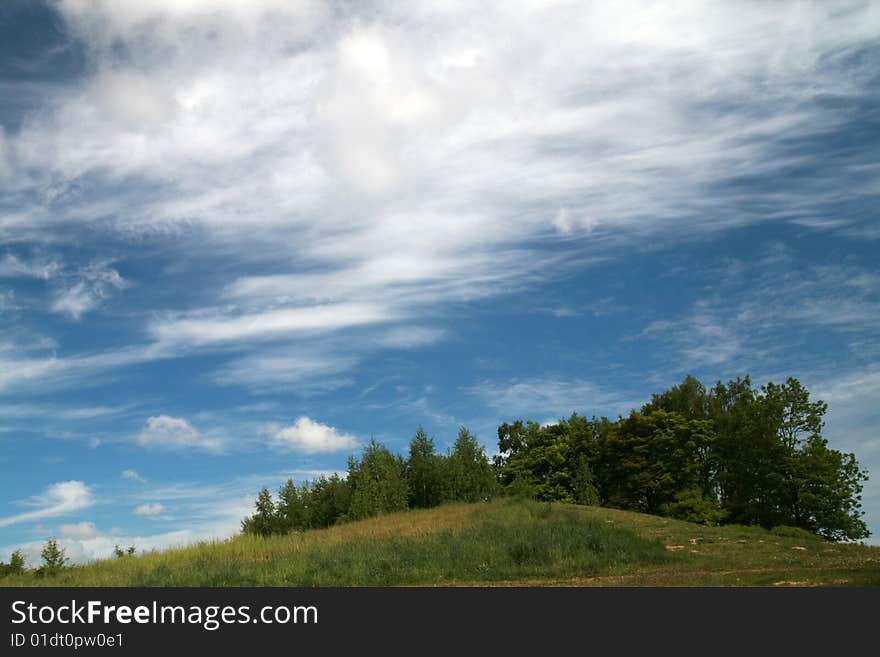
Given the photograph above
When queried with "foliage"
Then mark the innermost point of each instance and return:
(15, 565)
(378, 483)
(327, 501)
(119, 553)
(732, 453)
(265, 520)
(693, 506)
(793, 532)
(584, 483)
(54, 558)
(425, 472)
(469, 475)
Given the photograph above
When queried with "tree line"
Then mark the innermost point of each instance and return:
(379, 482)
(732, 453)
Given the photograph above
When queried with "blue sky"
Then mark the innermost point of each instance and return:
(238, 239)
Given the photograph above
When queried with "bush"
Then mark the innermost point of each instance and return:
(120, 553)
(691, 505)
(788, 531)
(15, 565)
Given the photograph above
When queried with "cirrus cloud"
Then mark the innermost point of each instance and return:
(166, 432)
(58, 499)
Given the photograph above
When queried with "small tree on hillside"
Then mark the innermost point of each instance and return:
(291, 511)
(265, 521)
(54, 557)
(424, 472)
(470, 476)
(377, 483)
(328, 501)
(15, 565)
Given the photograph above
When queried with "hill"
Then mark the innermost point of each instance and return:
(502, 543)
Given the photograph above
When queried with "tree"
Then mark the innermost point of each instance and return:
(424, 472)
(265, 520)
(688, 399)
(539, 459)
(16, 562)
(829, 492)
(327, 501)
(470, 476)
(54, 557)
(377, 481)
(584, 484)
(290, 510)
(15, 565)
(748, 454)
(651, 458)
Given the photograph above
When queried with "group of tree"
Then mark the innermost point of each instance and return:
(54, 559)
(378, 483)
(730, 454)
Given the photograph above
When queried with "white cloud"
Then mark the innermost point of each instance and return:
(409, 337)
(58, 499)
(308, 436)
(739, 324)
(164, 431)
(304, 369)
(51, 371)
(414, 155)
(74, 301)
(133, 475)
(80, 530)
(562, 221)
(269, 324)
(94, 285)
(409, 154)
(153, 509)
(853, 412)
(13, 267)
(548, 396)
(64, 413)
(4, 166)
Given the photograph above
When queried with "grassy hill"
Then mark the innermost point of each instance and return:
(501, 543)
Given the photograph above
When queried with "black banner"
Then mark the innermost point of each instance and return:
(410, 620)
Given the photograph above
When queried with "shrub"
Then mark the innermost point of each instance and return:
(15, 565)
(120, 553)
(788, 531)
(691, 505)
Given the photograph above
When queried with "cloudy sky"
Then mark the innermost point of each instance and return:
(239, 238)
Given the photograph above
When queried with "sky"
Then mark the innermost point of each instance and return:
(238, 239)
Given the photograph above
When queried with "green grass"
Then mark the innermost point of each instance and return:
(505, 542)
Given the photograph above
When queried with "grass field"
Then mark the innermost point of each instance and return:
(502, 543)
